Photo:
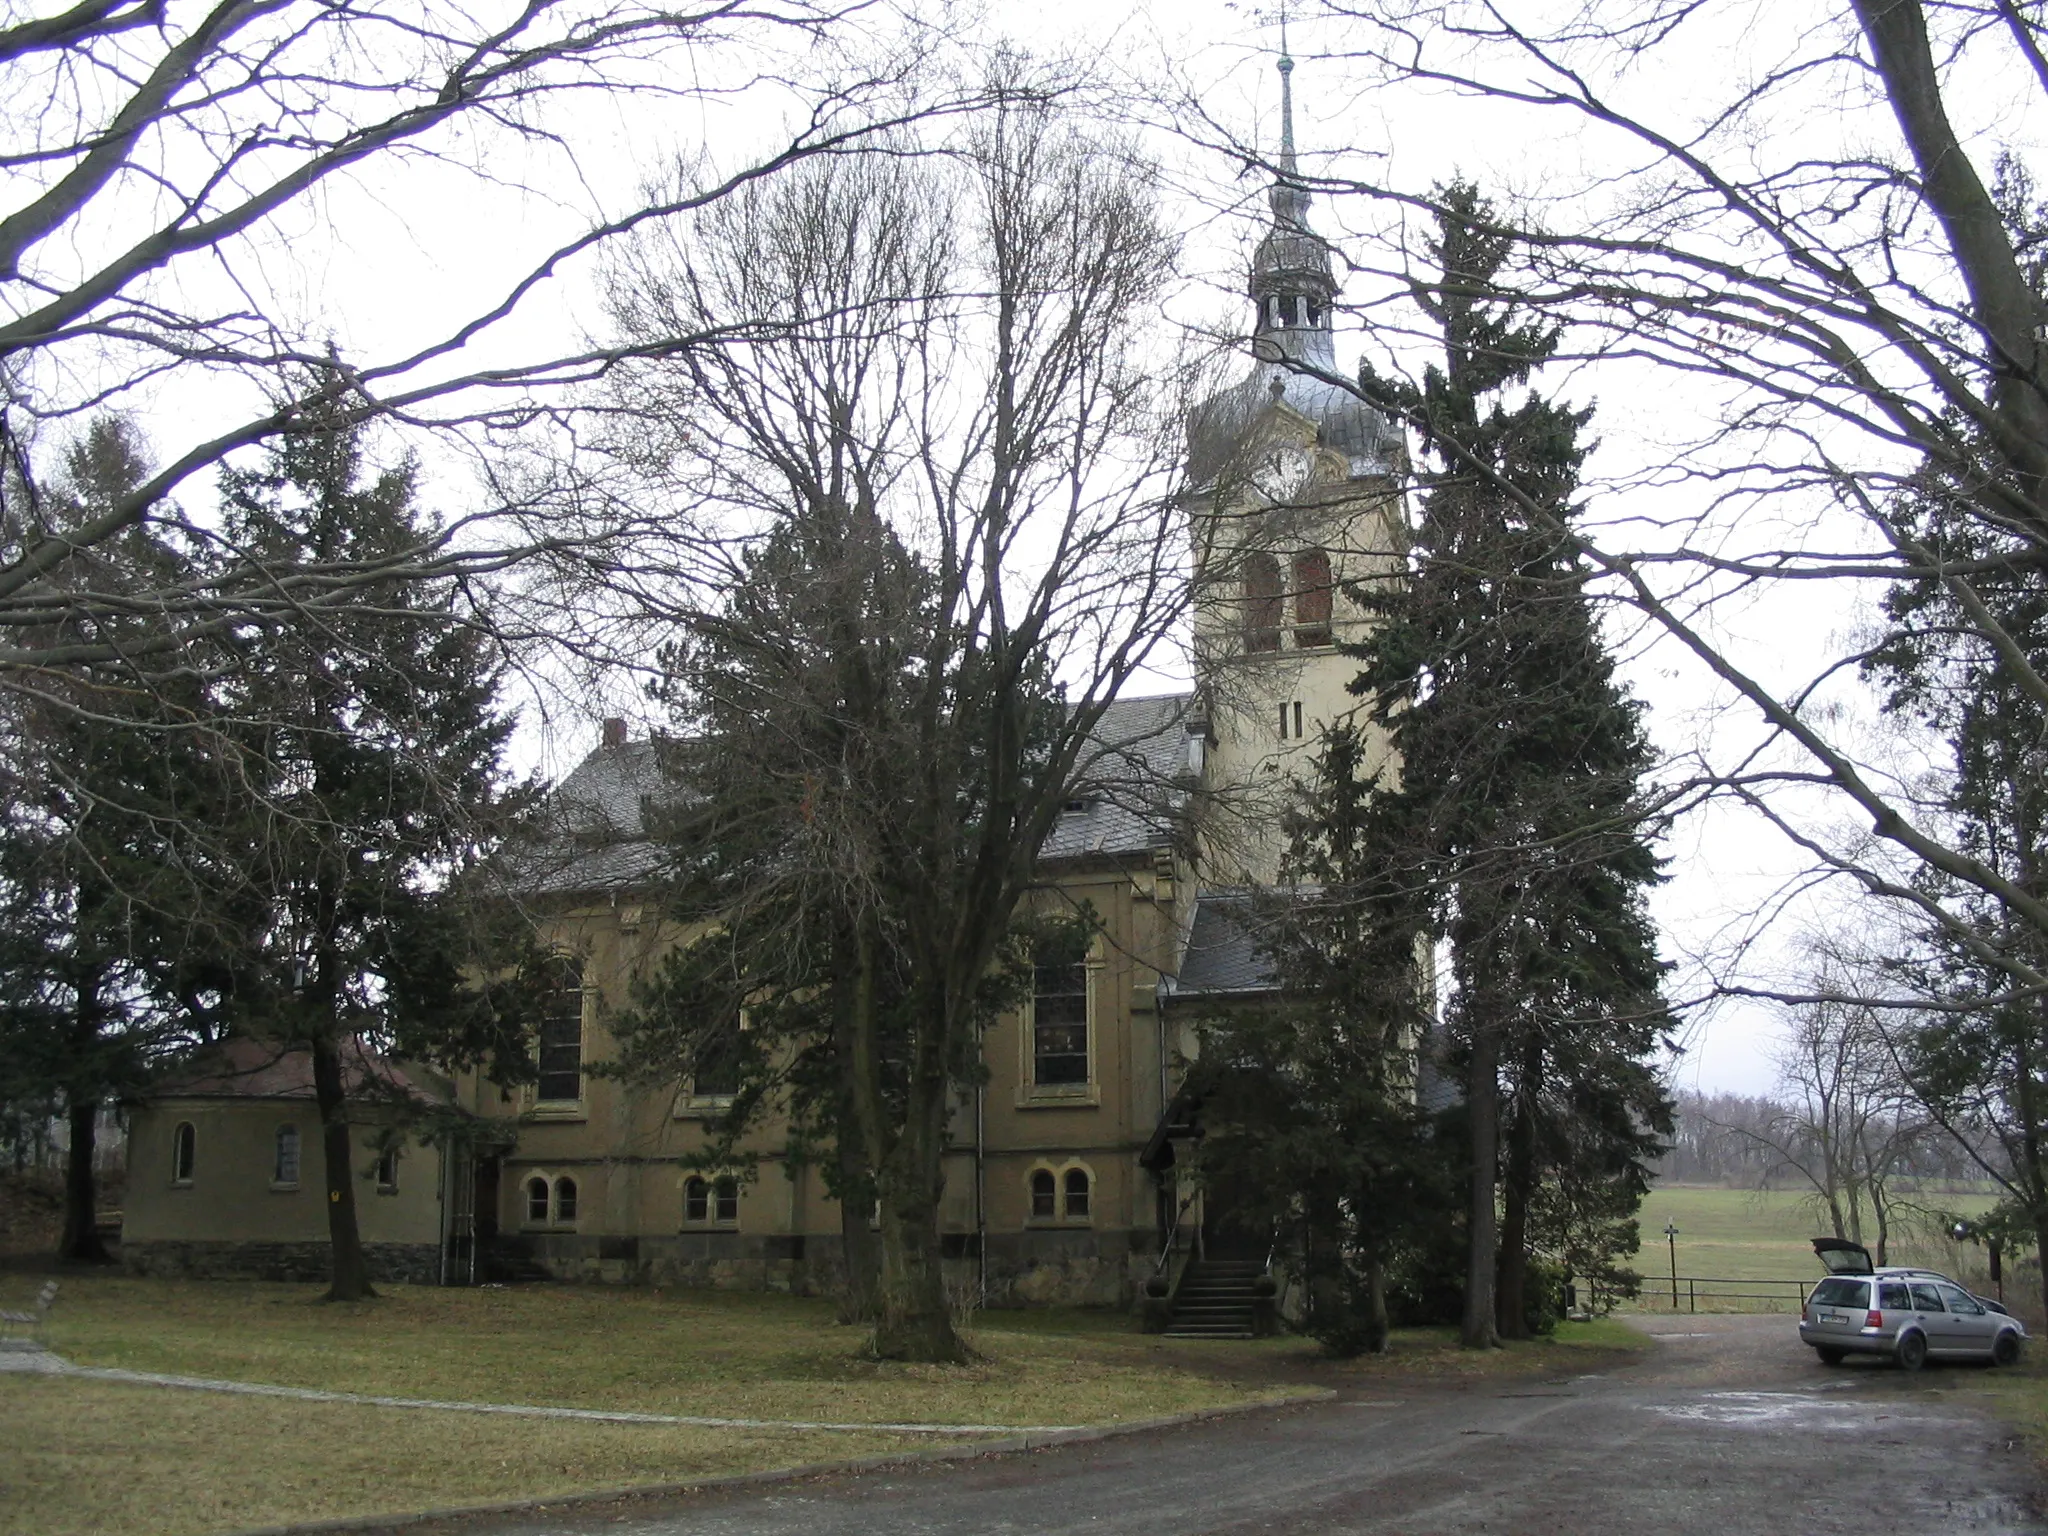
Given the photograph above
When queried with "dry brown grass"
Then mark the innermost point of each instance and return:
(79, 1457)
(722, 1354)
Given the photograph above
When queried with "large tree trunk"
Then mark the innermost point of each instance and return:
(1511, 1313)
(859, 1245)
(351, 1277)
(1482, 1103)
(81, 1241)
(912, 1319)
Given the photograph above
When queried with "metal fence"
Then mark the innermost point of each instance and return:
(1708, 1293)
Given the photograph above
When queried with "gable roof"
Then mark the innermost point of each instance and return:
(1141, 760)
(242, 1068)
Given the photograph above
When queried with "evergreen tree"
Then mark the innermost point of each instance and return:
(1516, 826)
(1311, 1107)
(1963, 658)
(371, 744)
(103, 907)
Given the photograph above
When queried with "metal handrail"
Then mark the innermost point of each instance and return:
(1166, 1249)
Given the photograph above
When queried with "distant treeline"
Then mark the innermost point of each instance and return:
(1741, 1142)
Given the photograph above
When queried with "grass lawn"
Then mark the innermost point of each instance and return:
(1764, 1235)
(93, 1457)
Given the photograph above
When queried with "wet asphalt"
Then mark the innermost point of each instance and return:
(1727, 1427)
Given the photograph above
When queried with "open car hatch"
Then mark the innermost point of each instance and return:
(1842, 1257)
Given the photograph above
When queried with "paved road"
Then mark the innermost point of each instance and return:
(1727, 1429)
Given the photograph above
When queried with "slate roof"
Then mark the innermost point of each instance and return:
(257, 1069)
(1222, 958)
(1144, 756)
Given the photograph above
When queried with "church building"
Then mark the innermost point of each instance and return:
(1062, 1183)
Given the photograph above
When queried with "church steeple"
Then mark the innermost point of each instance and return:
(1292, 283)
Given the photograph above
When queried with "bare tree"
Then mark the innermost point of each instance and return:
(946, 351)
(164, 159)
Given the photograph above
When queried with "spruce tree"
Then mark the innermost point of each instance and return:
(1516, 828)
(104, 909)
(371, 744)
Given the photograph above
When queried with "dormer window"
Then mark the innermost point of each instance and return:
(1078, 807)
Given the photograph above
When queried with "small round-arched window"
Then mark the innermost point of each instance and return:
(1044, 1195)
(537, 1201)
(696, 1200)
(184, 1150)
(1077, 1194)
(728, 1193)
(565, 1201)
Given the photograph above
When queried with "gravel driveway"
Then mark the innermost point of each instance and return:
(1727, 1428)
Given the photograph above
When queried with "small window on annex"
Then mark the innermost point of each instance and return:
(1311, 598)
(387, 1171)
(1044, 1195)
(1059, 1021)
(537, 1202)
(184, 1150)
(1077, 1194)
(1263, 602)
(561, 1035)
(284, 1162)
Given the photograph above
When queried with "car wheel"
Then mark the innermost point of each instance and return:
(2005, 1350)
(1831, 1356)
(1912, 1351)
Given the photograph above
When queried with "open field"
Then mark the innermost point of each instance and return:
(1736, 1234)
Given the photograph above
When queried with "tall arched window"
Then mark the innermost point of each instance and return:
(565, 1202)
(561, 1034)
(715, 1074)
(1263, 603)
(1044, 1195)
(1077, 1194)
(184, 1152)
(537, 1202)
(284, 1162)
(1311, 598)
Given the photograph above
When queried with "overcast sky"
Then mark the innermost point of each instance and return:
(404, 251)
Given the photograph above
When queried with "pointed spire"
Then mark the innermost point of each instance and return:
(1291, 279)
(1286, 99)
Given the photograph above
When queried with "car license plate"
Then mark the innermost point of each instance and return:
(1832, 1317)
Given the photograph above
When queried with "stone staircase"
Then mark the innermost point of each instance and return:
(1215, 1299)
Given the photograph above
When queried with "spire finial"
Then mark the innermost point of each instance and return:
(1286, 98)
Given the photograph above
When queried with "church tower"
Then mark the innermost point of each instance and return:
(1296, 495)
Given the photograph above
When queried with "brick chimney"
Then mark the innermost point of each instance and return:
(614, 732)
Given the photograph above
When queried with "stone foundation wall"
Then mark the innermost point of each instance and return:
(168, 1259)
(1070, 1267)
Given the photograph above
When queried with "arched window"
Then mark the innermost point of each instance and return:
(1044, 1195)
(184, 1150)
(537, 1202)
(1059, 1020)
(565, 1202)
(284, 1163)
(696, 1200)
(1263, 603)
(561, 1034)
(1311, 598)
(1077, 1194)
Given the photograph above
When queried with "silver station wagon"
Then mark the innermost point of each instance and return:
(1912, 1315)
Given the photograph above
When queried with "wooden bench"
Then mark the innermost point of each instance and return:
(24, 1330)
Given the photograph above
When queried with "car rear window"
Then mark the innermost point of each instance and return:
(1838, 1291)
